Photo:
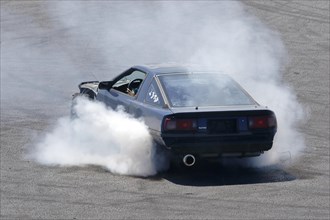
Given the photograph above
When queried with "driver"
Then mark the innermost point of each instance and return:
(131, 92)
(134, 85)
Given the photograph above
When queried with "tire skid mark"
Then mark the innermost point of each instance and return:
(281, 9)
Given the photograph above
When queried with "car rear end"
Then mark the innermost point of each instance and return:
(214, 116)
(219, 133)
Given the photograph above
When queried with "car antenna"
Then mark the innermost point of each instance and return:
(196, 108)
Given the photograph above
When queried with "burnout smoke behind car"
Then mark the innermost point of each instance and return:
(99, 40)
(77, 141)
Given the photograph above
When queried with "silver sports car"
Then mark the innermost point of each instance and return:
(191, 114)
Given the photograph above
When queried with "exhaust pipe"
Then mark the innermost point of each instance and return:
(189, 160)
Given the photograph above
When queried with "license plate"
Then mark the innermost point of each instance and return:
(222, 126)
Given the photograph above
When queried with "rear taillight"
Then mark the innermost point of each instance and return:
(171, 124)
(256, 122)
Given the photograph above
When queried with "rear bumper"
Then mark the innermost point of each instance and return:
(219, 145)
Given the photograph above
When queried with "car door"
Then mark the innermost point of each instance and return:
(115, 98)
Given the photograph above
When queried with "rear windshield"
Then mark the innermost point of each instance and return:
(189, 90)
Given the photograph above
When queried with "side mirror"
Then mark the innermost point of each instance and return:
(105, 85)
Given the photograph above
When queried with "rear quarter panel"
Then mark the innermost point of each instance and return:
(151, 115)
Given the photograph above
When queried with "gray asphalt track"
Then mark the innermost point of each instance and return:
(33, 191)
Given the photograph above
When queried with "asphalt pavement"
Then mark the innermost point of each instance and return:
(31, 105)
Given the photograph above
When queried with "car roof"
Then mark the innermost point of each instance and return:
(160, 69)
(157, 69)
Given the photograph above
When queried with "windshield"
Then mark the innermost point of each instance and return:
(189, 90)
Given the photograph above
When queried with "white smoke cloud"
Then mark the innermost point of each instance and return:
(99, 136)
(109, 37)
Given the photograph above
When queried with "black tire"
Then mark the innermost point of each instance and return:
(161, 157)
(88, 93)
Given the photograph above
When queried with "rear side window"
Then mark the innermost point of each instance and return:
(153, 95)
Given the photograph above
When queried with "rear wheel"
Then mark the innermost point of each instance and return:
(161, 157)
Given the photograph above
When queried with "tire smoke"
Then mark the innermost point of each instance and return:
(100, 136)
(108, 37)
